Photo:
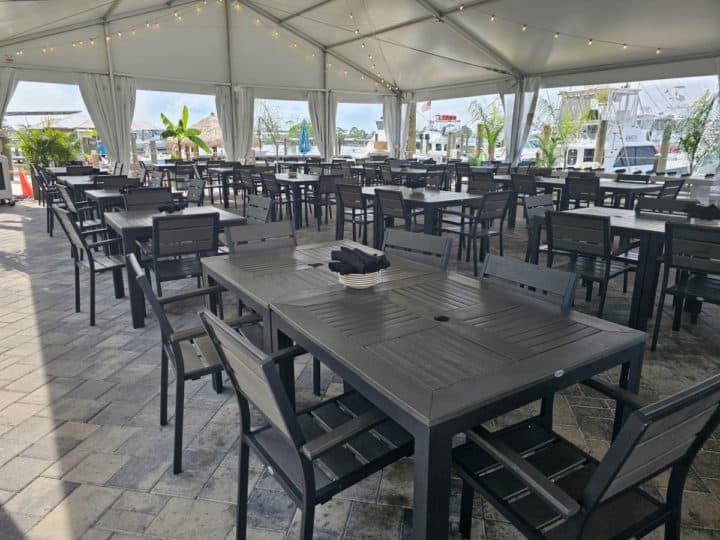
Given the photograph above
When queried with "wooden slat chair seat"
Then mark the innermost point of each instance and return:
(189, 350)
(551, 489)
(694, 252)
(423, 248)
(85, 256)
(587, 241)
(314, 454)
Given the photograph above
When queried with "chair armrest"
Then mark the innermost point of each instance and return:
(287, 353)
(199, 331)
(535, 481)
(316, 447)
(185, 295)
(615, 392)
(108, 242)
(100, 230)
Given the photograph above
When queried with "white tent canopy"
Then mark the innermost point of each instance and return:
(360, 49)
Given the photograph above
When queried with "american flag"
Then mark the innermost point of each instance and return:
(426, 107)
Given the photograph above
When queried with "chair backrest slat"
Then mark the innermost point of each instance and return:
(103, 181)
(633, 178)
(181, 235)
(582, 188)
(196, 191)
(71, 230)
(257, 209)
(147, 198)
(663, 206)
(327, 182)
(251, 238)
(166, 328)
(579, 234)
(391, 203)
(548, 284)
(494, 205)
(692, 247)
(156, 177)
(657, 437)
(481, 183)
(254, 376)
(671, 188)
(524, 184)
(537, 206)
(350, 196)
(424, 248)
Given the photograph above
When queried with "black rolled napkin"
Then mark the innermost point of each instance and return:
(356, 261)
(703, 212)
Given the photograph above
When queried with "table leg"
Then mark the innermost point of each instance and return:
(285, 369)
(137, 299)
(225, 190)
(646, 277)
(513, 212)
(629, 380)
(431, 506)
(377, 225)
(429, 214)
(297, 206)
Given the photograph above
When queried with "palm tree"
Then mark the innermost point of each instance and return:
(493, 123)
(181, 132)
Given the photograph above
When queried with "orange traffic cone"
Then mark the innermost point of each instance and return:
(26, 187)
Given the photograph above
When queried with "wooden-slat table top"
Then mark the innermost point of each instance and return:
(605, 184)
(300, 178)
(262, 278)
(424, 196)
(97, 194)
(440, 345)
(142, 220)
(629, 220)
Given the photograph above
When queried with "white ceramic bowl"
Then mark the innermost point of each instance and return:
(360, 281)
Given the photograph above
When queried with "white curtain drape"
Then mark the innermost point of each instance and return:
(392, 122)
(318, 119)
(331, 123)
(112, 117)
(226, 116)
(8, 83)
(244, 121)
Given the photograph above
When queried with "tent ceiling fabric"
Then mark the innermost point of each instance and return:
(464, 49)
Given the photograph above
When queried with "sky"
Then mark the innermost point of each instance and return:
(31, 96)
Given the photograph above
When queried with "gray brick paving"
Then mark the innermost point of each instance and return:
(82, 454)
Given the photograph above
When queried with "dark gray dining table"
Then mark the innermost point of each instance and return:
(77, 184)
(137, 225)
(295, 184)
(441, 353)
(649, 229)
(430, 200)
(105, 199)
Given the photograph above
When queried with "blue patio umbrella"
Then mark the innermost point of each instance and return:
(304, 144)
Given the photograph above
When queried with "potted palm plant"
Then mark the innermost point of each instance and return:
(181, 132)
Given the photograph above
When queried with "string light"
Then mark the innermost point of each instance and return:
(461, 7)
(119, 34)
(658, 50)
(589, 42)
(492, 18)
(625, 46)
(524, 27)
(237, 6)
(275, 34)
(107, 38)
(557, 35)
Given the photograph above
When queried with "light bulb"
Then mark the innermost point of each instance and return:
(589, 42)
(492, 18)
(524, 27)
(658, 50)
(461, 7)
(557, 35)
(625, 45)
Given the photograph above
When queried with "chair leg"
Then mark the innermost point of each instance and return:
(474, 254)
(179, 406)
(307, 521)
(77, 288)
(163, 388)
(466, 505)
(677, 319)
(217, 383)
(316, 376)
(92, 298)
(243, 479)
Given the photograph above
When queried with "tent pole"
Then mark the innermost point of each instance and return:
(233, 119)
(510, 149)
(324, 151)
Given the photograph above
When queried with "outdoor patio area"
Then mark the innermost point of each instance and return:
(82, 454)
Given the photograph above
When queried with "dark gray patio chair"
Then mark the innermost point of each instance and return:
(79, 170)
(260, 237)
(547, 284)
(195, 192)
(190, 351)
(587, 241)
(85, 256)
(352, 206)
(551, 489)
(314, 454)
(523, 185)
(257, 209)
(535, 209)
(493, 207)
(694, 252)
(323, 196)
(147, 199)
(671, 188)
(462, 170)
(177, 244)
(581, 191)
(392, 206)
(423, 248)
(82, 212)
(155, 178)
